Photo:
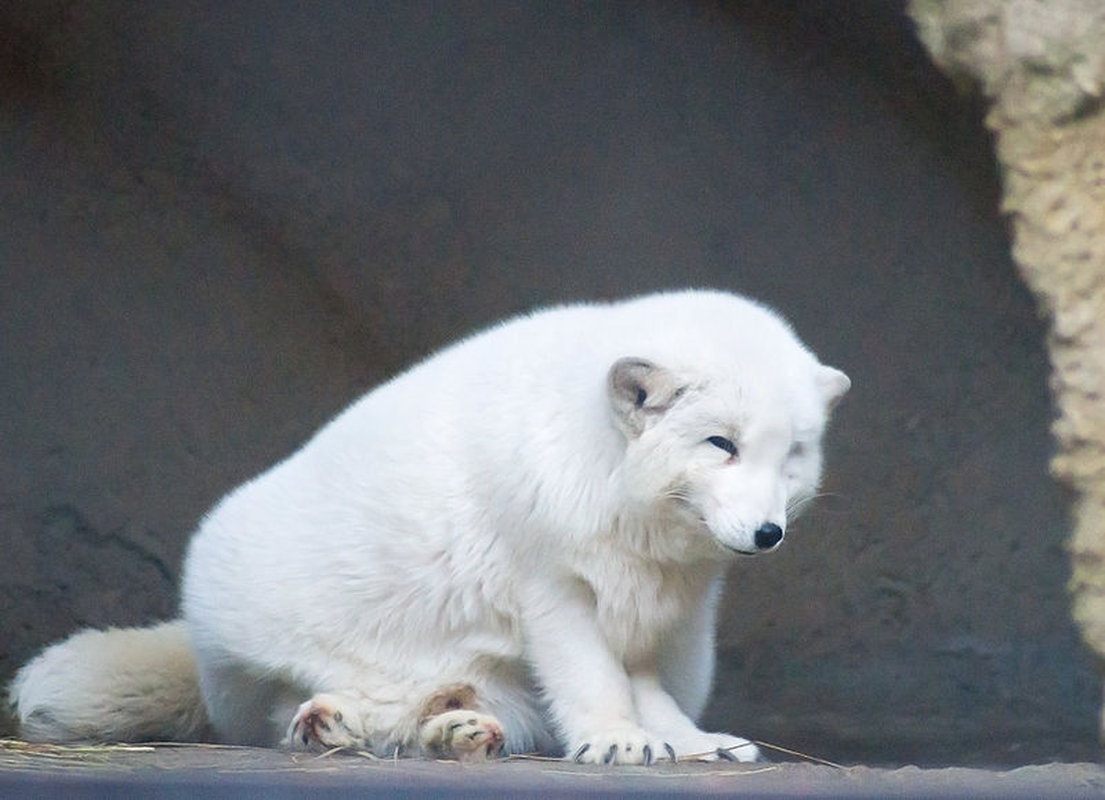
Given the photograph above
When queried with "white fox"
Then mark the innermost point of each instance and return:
(519, 544)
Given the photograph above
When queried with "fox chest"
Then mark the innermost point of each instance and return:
(638, 605)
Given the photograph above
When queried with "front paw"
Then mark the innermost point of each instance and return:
(320, 724)
(462, 734)
(715, 747)
(626, 744)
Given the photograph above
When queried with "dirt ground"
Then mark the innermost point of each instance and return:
(190, 771)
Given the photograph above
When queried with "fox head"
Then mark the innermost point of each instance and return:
(735, 454)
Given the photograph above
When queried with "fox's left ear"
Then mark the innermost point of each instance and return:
(833, 384)
(639, 392)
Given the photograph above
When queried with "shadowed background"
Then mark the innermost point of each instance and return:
(221, 222)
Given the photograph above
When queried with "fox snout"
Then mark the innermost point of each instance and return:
(747, 542)
(767, 536)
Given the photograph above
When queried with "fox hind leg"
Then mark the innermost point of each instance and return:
(322, 724)
(450, 727)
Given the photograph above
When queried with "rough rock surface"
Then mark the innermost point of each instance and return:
(1043, 66)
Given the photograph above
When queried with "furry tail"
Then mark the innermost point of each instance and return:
(118, 685)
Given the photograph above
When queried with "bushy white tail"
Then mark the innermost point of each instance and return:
(118, 685)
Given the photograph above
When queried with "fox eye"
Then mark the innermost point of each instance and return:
(723, 444)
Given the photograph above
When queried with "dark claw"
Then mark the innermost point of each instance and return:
(579, 753)
(671, 751)
(725, 755)
(647, 754)
(611, 754)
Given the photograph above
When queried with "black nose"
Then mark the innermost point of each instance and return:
(768, 535)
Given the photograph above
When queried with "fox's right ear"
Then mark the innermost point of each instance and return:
(639, 392)
(833, 384)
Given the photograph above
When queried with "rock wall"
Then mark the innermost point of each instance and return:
(1043, 67)
(221, 225)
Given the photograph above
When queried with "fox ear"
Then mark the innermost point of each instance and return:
(639, 391)
(833, 385)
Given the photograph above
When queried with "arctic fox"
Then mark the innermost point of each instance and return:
(519, 544)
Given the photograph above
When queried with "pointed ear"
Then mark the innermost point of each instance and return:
(833, 384)
(639, 391)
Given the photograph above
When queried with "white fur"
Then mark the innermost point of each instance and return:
(102, 685)
(506, 515)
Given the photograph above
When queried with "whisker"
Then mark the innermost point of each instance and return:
(677, 494)
(836, 495)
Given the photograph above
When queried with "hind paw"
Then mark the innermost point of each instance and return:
(463, 735)
(320, 724)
